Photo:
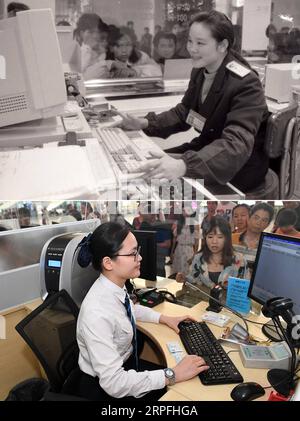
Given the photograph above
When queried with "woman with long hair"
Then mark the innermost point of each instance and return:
(127, 60)
(216, 261)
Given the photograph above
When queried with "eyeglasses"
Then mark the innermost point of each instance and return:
(259, 219)
(134, 254)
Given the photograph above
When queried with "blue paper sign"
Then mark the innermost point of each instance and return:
(237, 298)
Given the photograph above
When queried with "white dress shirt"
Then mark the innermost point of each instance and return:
(104, 336)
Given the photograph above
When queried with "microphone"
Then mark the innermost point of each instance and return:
(192, 286)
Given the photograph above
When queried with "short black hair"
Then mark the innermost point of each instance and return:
(287, 217)
(17, 7)
(164, 35)
(241, 205)
(106, 241)
(265, 207)
(89, 21)
(24, 212)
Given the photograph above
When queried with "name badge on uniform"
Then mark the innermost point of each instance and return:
(238, 69)
(196, 120)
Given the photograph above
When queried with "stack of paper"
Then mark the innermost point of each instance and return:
(53, 173)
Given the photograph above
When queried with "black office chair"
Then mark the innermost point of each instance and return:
(281, 143)
(50, 331)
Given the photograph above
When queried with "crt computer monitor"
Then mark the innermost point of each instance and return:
(32, 84)
(147, 241)
(276, 270)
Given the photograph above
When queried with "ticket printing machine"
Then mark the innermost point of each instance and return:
(59, 268)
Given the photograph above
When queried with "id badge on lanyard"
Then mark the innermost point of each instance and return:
(196, 120)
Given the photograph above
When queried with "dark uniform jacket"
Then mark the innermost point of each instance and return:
(231, 145)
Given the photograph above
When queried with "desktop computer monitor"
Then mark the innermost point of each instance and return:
(32, 82)
(276, 270)
(147, 241)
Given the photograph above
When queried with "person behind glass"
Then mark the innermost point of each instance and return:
(164, 47)
(240, 218)
(24, 217)
(211, 212)
(87, 212)
(271, 32)
(157, 29)
(130, 29)
(146, 41)
(286, 222)
(294, 42)
(261, 215)
(186, 240)
(106, 331)
(125, 60)
(181, 32)
(216, 261)
(14, 7)
(224, 102)
(290, 204)
(91, 34)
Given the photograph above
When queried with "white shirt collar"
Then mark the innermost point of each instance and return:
(116, 290)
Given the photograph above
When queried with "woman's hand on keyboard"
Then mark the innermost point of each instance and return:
(173, 321)
(130, 122)
(163, 167)
(190, 366)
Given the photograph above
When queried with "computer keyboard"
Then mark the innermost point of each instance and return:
(199, 340)
(128, 150)
(100, 167)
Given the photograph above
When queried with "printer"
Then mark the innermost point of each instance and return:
(280, 79)
(59, 268)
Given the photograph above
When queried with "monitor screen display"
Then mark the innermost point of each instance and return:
(54, 263)
(276, 270)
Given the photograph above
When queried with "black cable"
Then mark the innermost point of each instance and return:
(192, 286)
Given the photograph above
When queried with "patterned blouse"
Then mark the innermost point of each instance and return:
(199, 271)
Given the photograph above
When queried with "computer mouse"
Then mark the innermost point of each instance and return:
(247, 391)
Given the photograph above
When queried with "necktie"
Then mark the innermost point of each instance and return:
(134, 339)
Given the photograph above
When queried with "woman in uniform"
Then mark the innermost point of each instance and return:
(225, 104)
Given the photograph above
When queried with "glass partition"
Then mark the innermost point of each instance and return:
(132, 39)
(20, 248)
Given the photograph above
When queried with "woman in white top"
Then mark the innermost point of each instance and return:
(127, 60)
(106, 334)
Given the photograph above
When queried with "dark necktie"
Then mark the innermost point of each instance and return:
(134, 339)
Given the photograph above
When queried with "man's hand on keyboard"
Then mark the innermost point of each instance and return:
(162, 166)
(130, 122)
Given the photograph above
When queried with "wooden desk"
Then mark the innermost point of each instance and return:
(193, 389)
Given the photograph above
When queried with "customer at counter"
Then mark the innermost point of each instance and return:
(164, 47)
(216, 261)
(91, 33)
(224, 102)
(127, 60)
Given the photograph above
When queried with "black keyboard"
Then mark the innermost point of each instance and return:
(198, 339)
